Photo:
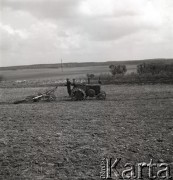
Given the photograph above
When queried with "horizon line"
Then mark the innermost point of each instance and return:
(76, 62)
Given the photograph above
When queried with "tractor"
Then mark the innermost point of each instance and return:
(83, 91)
(78, 93)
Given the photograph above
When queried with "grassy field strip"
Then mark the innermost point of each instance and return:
(53, 74)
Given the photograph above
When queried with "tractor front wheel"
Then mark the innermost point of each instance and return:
(101, 95)
(91, 93)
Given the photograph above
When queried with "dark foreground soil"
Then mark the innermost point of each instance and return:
(67, 140)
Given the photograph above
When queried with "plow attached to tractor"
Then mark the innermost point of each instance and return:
(45, 96)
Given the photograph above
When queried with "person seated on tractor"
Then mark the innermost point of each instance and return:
(68, 84)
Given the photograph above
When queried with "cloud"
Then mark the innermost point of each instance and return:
(44, 8)
(44, 31)
(10, 38)
(113, 19)
(36, 41)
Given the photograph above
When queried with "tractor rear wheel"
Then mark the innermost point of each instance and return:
(78, 94)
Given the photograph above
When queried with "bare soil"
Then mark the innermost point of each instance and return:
(67, 140)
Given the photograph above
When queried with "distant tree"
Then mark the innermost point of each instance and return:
(111, 66)
(154, 68)
(118, 69)
(90, 76)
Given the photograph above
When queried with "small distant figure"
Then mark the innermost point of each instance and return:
(74, 82)
(68, 86)
(99, 81)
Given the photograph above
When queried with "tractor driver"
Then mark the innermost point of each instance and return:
(68, 86)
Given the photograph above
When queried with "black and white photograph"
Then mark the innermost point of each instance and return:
(86, 89)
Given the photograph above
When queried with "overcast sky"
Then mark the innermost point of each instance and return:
(44, 31)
